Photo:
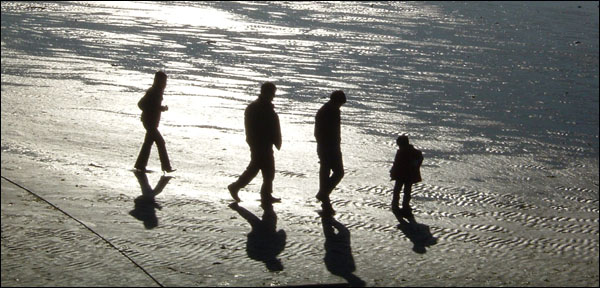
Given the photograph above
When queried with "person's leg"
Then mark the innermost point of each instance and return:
(162, 151)
(407, 196)
(337, 167)
(245, 178)
(144, 154)
(324, 169)
(396, 194)
(267, 168)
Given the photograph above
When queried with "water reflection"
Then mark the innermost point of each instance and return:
(177, 15)
(145, 205)
(338, 251)
(264, 241)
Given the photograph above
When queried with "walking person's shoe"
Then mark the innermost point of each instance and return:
(266, 201)
(140, 170)
(322, 197)
(234, 192)
(327, 210)
(271, 199)
(169, 170)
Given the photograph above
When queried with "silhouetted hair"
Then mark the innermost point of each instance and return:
(338, 96)
(159, 79)
(402, 140)
(267, 88)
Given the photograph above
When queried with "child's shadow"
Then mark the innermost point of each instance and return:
(145, 205)
(419, 234)
(264, 241)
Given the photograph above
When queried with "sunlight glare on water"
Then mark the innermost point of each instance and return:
(177, 15)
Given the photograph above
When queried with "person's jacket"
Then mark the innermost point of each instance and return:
(327, 127)
(407, 165)
(151, 108)
(262, 125)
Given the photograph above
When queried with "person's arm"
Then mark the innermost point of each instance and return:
(419, 158)
(277, 136)
(143, 103)
(394, 169)
(318, 129)
(337, 121)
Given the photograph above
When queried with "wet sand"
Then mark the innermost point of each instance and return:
(461, 237)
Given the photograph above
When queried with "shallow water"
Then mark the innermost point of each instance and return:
(501, 97)
(459, 78)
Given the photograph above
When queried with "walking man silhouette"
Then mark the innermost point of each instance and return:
(151, 108)
(327, 134)
(262, 132)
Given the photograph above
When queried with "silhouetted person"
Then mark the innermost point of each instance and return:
(145, 205)
(338, 251)
(406, 171)
(262, 132)
(151, 108)
(327, 134)
(264, 241)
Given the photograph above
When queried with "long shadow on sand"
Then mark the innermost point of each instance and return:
(419, 234)
(145, 205)
(338, 251)
(264, 241)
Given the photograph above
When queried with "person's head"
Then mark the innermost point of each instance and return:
(338, 97)
(160, 80)
(402, 141)
(267, 91)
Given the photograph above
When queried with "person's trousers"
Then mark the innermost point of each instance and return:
(396, 195)
(153, 136)
(259, 161)
(331, 171)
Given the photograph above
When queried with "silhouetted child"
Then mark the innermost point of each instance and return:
(151, 108)
(406, 171)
